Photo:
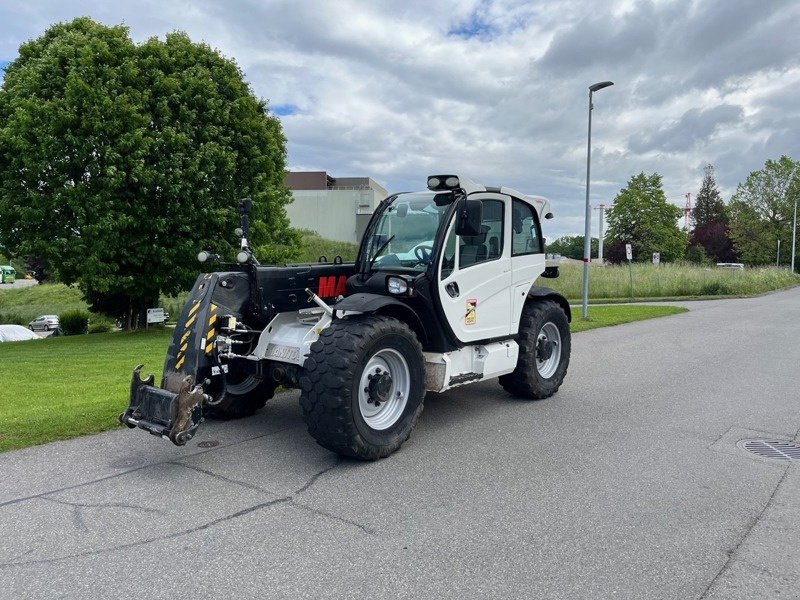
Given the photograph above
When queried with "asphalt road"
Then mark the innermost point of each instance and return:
(627, 484)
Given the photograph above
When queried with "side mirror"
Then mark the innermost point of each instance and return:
(469, 214)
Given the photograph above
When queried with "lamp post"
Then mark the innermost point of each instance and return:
(794, 232)
(587, 239)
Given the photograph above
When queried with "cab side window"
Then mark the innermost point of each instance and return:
(487, 245)
(525, 237)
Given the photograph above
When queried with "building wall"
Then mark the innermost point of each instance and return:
(339, 212)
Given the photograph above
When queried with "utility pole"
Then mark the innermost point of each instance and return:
(600, 224)
(778, 260)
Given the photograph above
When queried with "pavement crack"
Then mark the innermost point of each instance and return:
(243, 484)
(328, 515)
(732, 553)
(289, 499)
(170, 536)
(78, 509)
(123, 473)
(316, 477)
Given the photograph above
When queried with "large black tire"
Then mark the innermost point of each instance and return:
(541, 367)
(243, 397)
(356, 361)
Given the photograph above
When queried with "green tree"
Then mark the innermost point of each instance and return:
(642, 217)
(571, 246)
(710, 231)
(118, 161)
(761, 212)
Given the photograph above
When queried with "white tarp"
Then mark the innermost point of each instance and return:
(16, 333)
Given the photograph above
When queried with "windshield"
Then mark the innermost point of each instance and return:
(403, 237)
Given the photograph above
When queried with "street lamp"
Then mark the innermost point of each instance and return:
(587, 240)
(794, 231)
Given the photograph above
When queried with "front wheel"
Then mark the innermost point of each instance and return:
(243, 396)
(544, 349)
(363, 386)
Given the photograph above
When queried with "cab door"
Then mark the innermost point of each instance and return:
(475, 278)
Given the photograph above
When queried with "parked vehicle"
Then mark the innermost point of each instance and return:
(45, 323)
(442, 294)
(7, 274)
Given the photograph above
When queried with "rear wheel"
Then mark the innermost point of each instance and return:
(544, 349)
(363, 386)
(243, 396)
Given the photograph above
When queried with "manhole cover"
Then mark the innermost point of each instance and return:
(127, 463)
(777, 449)
(208, 444)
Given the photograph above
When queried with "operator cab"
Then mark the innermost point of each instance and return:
(461, 255)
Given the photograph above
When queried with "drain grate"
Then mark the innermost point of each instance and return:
(776, 449)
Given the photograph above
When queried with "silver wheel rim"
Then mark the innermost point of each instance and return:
(389, 412)
(549, 333)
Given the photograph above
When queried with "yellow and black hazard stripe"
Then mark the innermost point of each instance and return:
(180, 358)
(211, 332)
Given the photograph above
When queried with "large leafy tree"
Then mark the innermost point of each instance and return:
(642, 217)
(119, 161)
(711, 222)
(761, 212)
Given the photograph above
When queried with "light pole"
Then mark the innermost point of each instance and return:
(587, 239)
(794, 232)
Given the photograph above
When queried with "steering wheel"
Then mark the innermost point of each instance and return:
(423, 253)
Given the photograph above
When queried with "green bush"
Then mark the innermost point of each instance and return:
(74, 322)
(100, 325)
(13, 319)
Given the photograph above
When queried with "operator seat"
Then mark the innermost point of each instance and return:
(473, 248)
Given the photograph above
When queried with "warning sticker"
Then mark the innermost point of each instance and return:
(472, 312)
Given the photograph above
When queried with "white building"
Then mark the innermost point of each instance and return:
(338, 208)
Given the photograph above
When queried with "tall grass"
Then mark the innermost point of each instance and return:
(669, 281)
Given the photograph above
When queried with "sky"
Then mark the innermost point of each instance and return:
(498, 90)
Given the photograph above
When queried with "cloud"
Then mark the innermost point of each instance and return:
(694, 127)
(498, 90)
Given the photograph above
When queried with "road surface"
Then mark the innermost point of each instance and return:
(629, 483)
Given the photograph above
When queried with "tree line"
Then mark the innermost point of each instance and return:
(747, 229)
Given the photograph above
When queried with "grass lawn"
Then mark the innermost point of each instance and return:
(605, 316)
(60, 388)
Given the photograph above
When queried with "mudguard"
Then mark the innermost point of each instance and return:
(546, 292)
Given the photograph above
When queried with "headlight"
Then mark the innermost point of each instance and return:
(243, 257)
(396, 285)
(203, 256)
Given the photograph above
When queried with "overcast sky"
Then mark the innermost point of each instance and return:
(498, 90)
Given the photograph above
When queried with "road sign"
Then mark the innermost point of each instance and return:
(155, 315)
(656, 258)
(628, 252)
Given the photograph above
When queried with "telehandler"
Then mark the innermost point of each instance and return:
(442, 294)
